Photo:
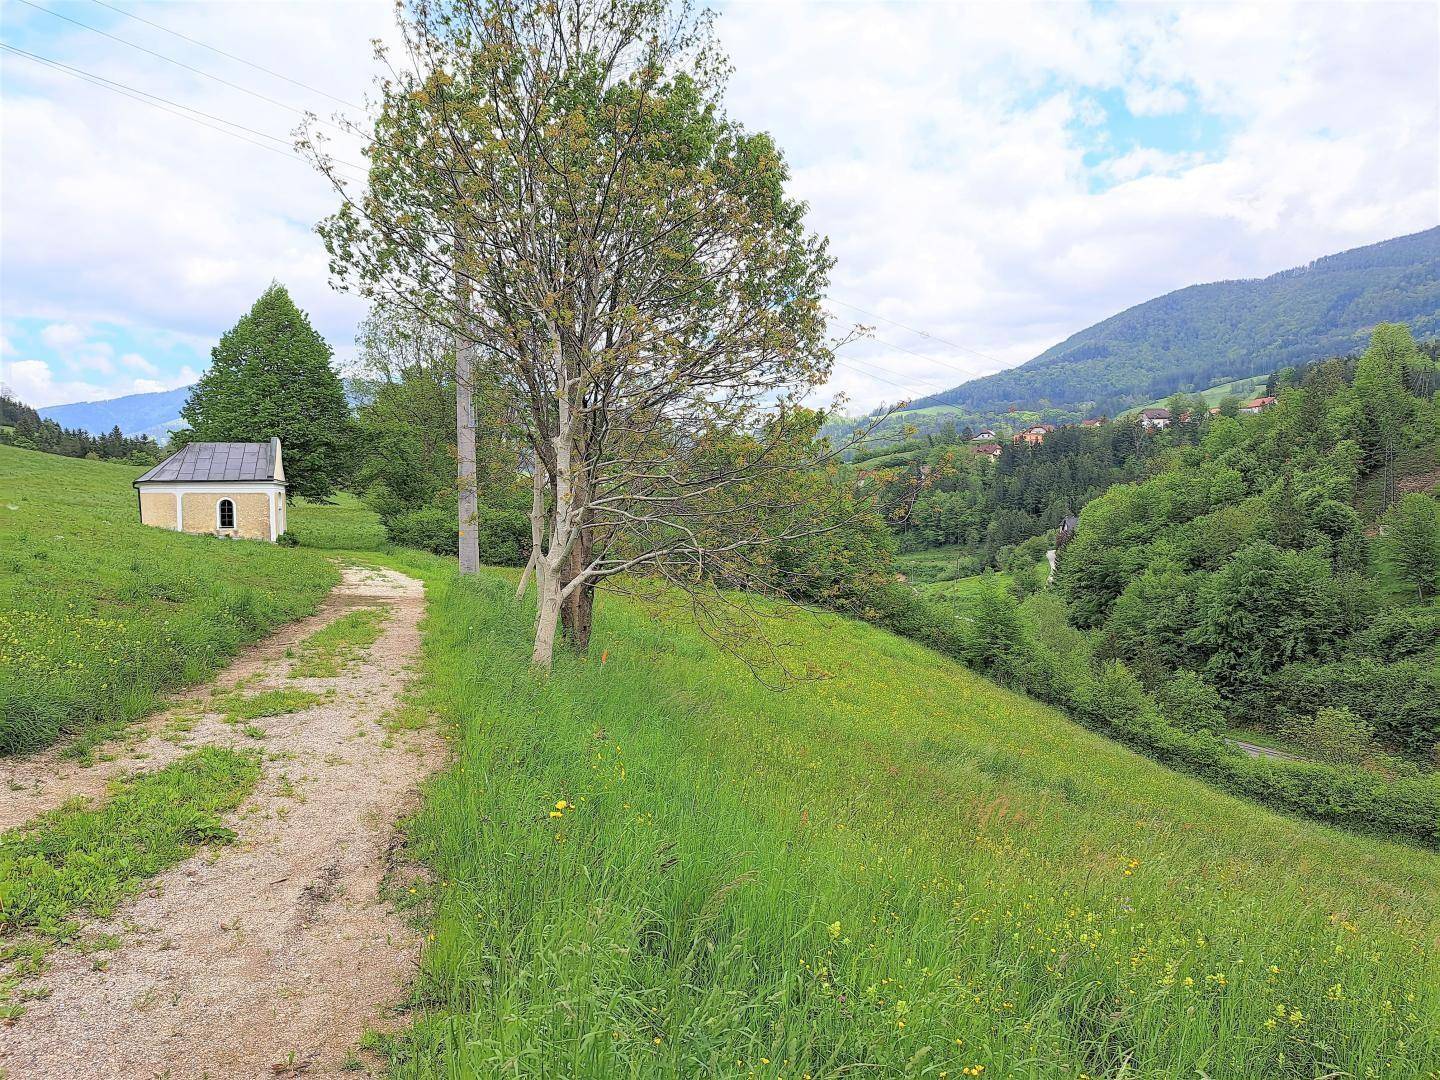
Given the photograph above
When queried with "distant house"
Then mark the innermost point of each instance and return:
(1154, 419)
(989, 449)
(984, 435)
(1259, 404)
(1068, 525)
(1097, 422)
(222, 489)
(1034, 434)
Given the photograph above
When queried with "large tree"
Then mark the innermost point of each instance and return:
(1412, 538)
(1386, 405)
(559, 185)
(270, 375)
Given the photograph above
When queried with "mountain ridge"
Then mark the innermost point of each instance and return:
(1206, 334)
(155, 413)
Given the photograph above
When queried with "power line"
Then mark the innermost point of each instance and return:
(916, 330)
(874, 371)
(901, 348)
(144, 97)
(229, 55)
(188, 67)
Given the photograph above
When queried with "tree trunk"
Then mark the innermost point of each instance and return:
(547, 617)
(579, 607)
(465, 434)
(537, 528)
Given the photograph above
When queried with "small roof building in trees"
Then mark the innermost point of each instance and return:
(234, 489)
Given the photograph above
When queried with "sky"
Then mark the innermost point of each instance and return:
(992, 177)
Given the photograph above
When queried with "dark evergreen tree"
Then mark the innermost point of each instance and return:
(271, 376)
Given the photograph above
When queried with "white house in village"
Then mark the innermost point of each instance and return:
(1154, 419)
(223, 489)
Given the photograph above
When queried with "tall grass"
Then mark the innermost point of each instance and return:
(651, 865)
(99, 614)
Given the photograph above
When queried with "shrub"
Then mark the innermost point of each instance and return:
(1402, 632)
(1334, 735)
(1400, 702)
(431, 528)
(288, 539)
(504, 537)
(1191, 704)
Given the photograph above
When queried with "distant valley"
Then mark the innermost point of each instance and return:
(1205, 335)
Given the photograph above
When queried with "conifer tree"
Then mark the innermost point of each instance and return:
(270, 375)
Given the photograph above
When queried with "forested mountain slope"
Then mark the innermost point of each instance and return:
(1199, 336)
(155, 414)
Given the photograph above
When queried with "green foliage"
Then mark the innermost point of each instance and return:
(270, 375)
(1151, 622)
(1246, 557)
(100, 615)
(1188, 702)
(1412, 542)
(899, 843)
(1398, 699)
(1403, 632)
(1335, 735)
(406, 444)
(1266, 608)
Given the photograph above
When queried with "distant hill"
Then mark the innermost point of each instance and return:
(1206, 334)
(154, 414)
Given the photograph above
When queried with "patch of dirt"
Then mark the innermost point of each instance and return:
(273, 955)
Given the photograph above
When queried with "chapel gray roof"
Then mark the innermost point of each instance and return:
(212, 461)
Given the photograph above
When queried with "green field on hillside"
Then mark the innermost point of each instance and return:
(651, 864)
(1246, 388)
(344, 523)
(99, 615)
(933, 564)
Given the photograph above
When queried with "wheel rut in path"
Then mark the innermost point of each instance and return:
(270, 956)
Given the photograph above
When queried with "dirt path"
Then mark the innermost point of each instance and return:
(271, 956)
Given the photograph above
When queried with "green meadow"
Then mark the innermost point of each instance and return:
(654, 863)
(651, 864)
(100, 615)
(343, 523)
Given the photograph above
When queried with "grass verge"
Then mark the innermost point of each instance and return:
(651, 865)
(324, 654)
(79, 858)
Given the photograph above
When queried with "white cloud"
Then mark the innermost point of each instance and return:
(61, 336)
(942, 148)
(35, 383)
(136, 362)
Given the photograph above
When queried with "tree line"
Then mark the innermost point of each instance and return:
(22, 426)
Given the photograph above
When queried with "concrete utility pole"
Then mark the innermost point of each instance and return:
(465, 422)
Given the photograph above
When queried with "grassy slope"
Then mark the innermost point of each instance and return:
(346, 523)
(932, 564)
(900, 870)
(1248, 388)
(100, 614)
